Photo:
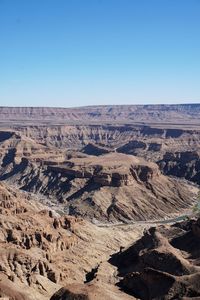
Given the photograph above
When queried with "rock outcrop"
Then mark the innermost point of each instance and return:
(182, 164)
(163, 264)
(67, 294)
(30, 240)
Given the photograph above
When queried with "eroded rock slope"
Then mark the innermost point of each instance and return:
(163, 264)
(110, 187)
(41, 251)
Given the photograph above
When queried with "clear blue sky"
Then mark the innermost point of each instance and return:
(85, 52)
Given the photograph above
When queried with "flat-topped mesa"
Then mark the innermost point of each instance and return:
(109, 187)
(114, 169)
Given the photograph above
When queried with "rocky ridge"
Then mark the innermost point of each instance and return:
(163, 264)
(110, 187)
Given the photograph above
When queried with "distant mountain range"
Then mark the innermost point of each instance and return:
(178, 113)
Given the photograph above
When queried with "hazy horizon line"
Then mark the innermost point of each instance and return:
(100, 105)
